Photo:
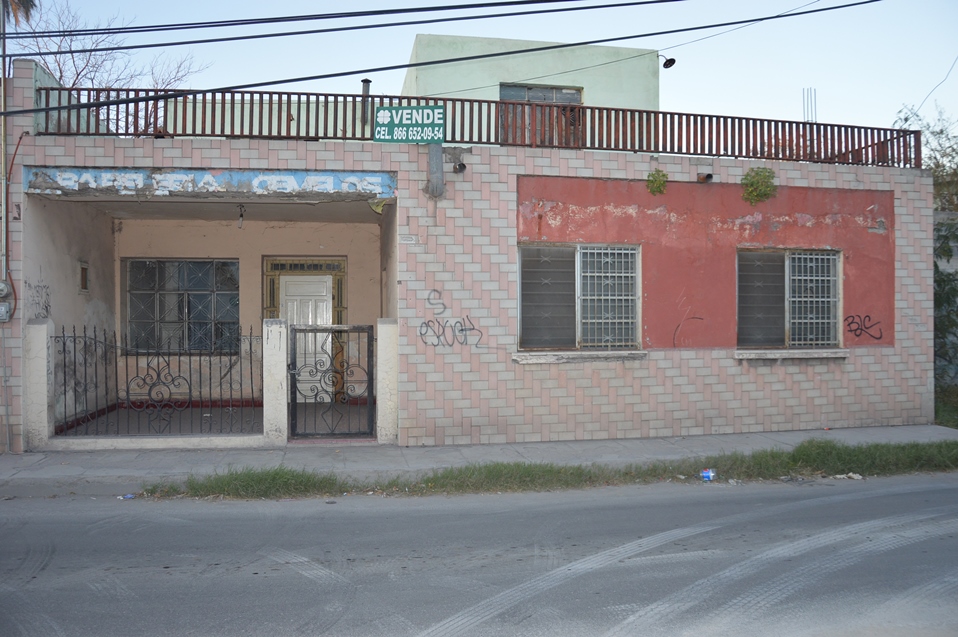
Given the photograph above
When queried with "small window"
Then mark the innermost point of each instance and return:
(183, 305)
(579, 297)
(548, 94)
(788, 299)
(84, 278)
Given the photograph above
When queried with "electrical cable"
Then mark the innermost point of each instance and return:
(183, 26)
(396, 67)
(952, 68)
(357, 27)
(625, 59)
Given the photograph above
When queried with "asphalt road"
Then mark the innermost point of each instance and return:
(826, 557)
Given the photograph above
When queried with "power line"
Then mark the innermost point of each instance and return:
(396, 67)
(937, 85)
(359, 27)
(631, 57)
(212, 24)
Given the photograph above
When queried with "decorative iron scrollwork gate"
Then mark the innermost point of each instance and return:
(331, 380)
(105, 387)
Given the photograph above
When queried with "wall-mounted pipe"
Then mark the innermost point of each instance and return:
(4, 270)
(366, 84)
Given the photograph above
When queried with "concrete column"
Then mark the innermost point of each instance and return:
(38, 420)
(275, 382)
(387, 381)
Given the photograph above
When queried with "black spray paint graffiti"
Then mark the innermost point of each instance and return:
(683, 305)
(435, 300)
(858, 325)
(446, 332)
(38, 298)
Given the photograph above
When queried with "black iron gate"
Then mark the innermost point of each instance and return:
(331, 380)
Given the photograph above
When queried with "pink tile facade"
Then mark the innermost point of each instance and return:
(460, 385)
(458, 300)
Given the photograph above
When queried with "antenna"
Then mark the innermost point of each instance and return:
(810, 104)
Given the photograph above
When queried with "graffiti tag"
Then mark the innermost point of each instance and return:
(38, 295)
(858, 325)
(443, 332)
(435, 300)
(446, 333)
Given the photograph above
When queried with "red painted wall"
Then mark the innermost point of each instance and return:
(690, 236)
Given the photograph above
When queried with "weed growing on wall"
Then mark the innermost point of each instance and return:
(657, 181)
(759, 185)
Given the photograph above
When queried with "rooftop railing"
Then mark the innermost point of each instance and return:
(312, 116)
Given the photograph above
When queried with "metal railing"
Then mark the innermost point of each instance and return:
(312, 116)
(104, 387)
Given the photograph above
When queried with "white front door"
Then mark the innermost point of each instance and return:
(308, 300)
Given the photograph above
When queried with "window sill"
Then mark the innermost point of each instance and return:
(547, 358)
(778, 354)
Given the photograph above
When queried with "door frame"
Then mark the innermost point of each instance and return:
(274, 267)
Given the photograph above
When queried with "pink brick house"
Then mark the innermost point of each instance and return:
(521, 284)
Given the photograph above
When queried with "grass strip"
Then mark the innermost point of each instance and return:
(275, 482)
(809, 459)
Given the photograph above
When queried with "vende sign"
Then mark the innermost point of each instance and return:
(410, 124)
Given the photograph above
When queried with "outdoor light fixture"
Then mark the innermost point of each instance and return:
(242, 211)
(669, 62)
(459, 167)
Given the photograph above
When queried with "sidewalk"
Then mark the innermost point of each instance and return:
(117, 472)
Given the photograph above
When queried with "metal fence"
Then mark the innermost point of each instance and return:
(309, 116)
(104, 387)
(331, 380)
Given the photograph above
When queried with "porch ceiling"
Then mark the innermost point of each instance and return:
(228, 209)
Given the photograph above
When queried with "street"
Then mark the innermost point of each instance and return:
(819, 557)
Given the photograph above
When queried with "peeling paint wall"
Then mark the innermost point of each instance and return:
(57, 238)
(691, 233)
(195, 184)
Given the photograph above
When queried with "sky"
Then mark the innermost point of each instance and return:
(862, 64)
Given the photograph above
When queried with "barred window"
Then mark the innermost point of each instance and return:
(578, 297)
(788, 299)
(183, 305)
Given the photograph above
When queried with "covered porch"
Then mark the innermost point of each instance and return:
(150, 294)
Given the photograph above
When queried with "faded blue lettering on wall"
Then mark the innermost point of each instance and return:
(68, 181)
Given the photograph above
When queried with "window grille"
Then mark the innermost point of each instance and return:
(813, 299)
(579, 297)
(788, 299)
(608, 293)
(183, 305)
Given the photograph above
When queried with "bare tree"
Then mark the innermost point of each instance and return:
(58, 27)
